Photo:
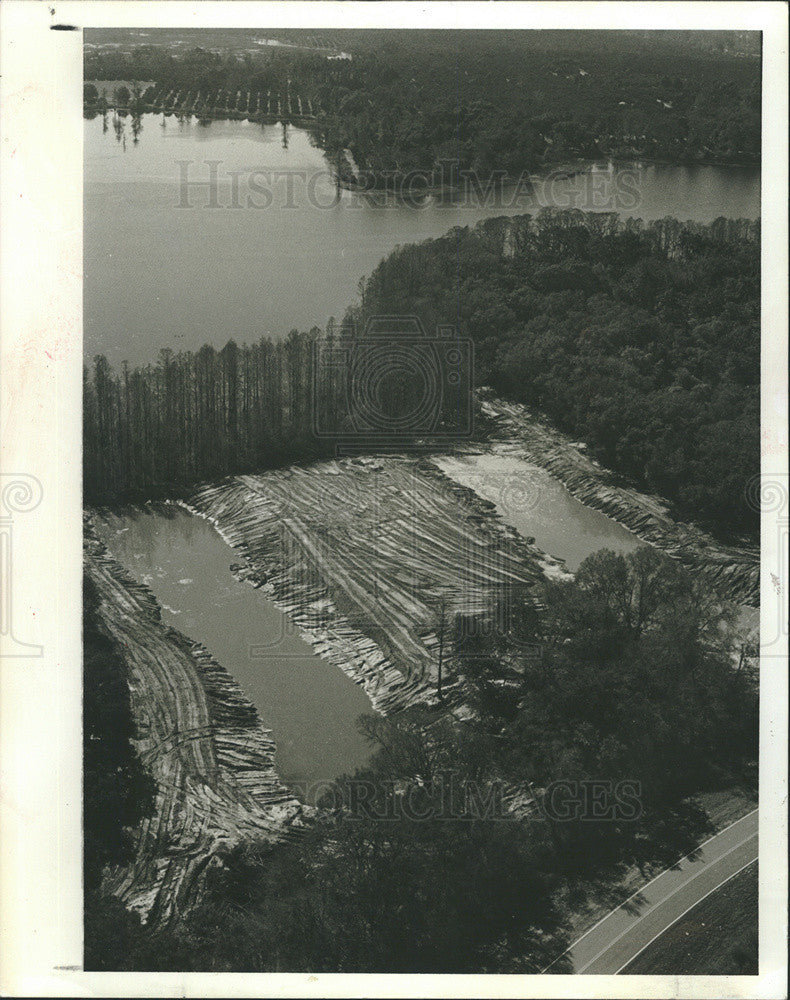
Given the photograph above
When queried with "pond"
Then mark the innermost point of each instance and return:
(310, 705)
(538, 506)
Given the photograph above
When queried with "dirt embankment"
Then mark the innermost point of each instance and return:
(203, 742)
(733, 571)
(363, 554)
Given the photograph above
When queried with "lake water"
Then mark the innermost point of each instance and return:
(537, 505)
(310, 705)
(198, 233)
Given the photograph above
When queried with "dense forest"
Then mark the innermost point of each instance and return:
(198, 416)
(626, 699)
(641, 340)
(487, 101)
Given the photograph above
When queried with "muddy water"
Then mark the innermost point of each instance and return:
(539, 506)
(310, 706)
(198, 233)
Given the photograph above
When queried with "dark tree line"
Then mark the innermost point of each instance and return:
(642, 340)
(489, 101)
(196, 416)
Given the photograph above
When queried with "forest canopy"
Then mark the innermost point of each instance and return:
(641, 340)
(514, 101)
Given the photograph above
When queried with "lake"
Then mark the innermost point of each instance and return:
(198, 233)
(310, 705)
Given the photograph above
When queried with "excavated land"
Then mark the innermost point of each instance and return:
(364, 553)
(733, 572)
(367, 556)
(202, 741)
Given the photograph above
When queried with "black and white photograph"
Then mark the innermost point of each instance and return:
(425, 501)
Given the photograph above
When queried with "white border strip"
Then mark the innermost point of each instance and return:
(40, 367)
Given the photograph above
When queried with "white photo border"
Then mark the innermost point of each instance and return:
(40, 407)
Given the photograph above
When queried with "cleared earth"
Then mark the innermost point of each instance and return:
(364, 554)
(367, 556)
(203, 742)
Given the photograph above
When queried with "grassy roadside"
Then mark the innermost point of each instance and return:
(724, 807)
(717, 937)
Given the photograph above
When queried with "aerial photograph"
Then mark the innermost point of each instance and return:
(421, 500)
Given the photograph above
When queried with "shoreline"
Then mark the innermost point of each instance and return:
(91, 111)
(564, 169)
(201, 739)
(732, 570)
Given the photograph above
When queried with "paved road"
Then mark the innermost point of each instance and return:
(625, 932)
